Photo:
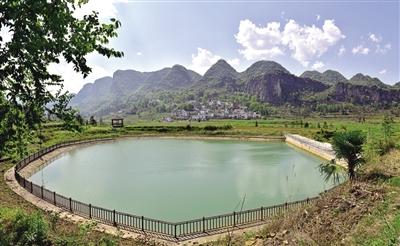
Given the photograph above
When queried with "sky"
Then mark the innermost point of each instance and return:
(347, 36)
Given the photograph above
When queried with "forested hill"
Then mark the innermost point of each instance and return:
(269, 82)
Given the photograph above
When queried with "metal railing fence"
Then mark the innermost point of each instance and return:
(140, 224)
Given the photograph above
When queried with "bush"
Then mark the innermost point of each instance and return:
(380, 146)
(214, 128)
(107, 242)
(227, 127)
(210, 128)
(20, 228)
(324, 135)
(162, 129)
(54, 217)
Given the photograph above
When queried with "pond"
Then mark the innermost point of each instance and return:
(181, 179)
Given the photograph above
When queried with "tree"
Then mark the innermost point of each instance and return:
(42, 33)
(72, 121)
(92, 121)
(387, 130)
(188, 107)
(80, 119)
(348, 146)
(381, 145)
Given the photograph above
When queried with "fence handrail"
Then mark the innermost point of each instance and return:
(174, 230)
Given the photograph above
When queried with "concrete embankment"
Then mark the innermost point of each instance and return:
(323, 150)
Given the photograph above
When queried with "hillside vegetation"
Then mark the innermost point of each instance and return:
(269, 83)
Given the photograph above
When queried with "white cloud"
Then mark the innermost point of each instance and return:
(309, 42)
(306, 43)
(318, 17)
(361, 50)
(139, 53)
(318, 65)
(341, 51)
(383, 50)
(383, 71)
(74, 81)
(374, 38)
(204, 59)
(106, 8)
(259, 42)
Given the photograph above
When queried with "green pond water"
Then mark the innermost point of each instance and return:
(174, 180)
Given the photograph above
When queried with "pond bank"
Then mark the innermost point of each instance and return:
(323, 150)
(58, 152)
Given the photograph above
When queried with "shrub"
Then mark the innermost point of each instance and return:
(86, 227)
(106, 241)
(381, 144)
(210, 128)
(324, 135)
(370, 149)
(20, 228)
(214, 128)
(387, 143)
(162, 129)
(348, 145)
(54, 218)
(228, 127)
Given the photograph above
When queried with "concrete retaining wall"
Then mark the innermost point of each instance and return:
(323, 150)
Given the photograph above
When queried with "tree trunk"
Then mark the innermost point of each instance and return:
(352, 173)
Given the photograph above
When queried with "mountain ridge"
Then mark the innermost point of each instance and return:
(267, 81)
(361, 79)
(328, 76)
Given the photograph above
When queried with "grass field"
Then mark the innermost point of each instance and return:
(268, 127)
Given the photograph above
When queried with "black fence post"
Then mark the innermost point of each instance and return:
(175, 231)
(54, 198)
(90, 210)
(308, 200)
(234, 218)
(24, 182)
(262, 213)
(31, 187)
(41, 191)
(142, 223)
(286, 206)
(204, 225)
(70, 204)
(114, 222)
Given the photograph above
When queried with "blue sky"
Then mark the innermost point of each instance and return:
(351, 37)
